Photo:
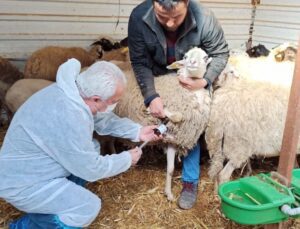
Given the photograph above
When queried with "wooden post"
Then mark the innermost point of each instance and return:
(291, 132)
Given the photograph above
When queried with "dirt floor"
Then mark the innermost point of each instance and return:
(135, 199)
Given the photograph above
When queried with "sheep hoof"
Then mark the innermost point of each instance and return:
(170, 196)
(176, 117)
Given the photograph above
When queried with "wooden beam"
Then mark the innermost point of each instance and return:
(291, 133)
(292, 126)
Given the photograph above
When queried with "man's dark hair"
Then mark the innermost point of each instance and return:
(168, 4)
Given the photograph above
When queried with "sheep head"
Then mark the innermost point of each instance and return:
(193, 64)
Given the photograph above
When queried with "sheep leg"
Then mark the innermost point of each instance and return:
(249, 168)
(226, 172)
(170, 170)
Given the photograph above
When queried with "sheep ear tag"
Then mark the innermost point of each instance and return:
(175, 65)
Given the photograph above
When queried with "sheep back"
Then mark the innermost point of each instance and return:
(21, 90)
(43, 63)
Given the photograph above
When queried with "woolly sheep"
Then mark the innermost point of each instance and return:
(43, 63)
(8, 75)
(248, 114)
(21, 90)
(194, 107)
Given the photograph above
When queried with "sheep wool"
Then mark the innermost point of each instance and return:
(21, 90)
(176, 99)
(248, 116)
(43, 63)
(8, 75)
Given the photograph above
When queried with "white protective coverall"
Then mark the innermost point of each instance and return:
(50, 138)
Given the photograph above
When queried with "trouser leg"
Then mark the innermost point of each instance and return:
(62, 202)
(191, 165)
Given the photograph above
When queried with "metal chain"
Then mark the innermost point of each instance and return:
(251, 29)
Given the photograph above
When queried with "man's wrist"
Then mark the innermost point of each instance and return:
(208, 83)
(205, 82)
(150, 98)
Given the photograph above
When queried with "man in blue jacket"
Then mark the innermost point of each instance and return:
(48, 152)
(161, 32)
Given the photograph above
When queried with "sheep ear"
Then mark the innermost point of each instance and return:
(176, 65)
(209, 60)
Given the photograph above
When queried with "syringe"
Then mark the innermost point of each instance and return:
(158, 131)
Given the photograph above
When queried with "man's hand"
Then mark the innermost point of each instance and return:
(157, 108)
(192, 83)
(147, 134)
(136, 154)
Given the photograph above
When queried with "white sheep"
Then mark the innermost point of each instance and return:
(43, 63)
(21, 90)
(248, 114)
(193, 106)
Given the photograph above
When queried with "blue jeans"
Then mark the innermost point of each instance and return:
(191, 165)
(44, 221)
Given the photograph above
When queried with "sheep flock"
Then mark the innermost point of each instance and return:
(242, 118)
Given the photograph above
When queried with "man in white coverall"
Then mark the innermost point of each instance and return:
(48, 152)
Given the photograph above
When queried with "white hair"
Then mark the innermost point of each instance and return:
(100, 79)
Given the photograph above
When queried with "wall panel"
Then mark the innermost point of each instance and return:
(26, 25)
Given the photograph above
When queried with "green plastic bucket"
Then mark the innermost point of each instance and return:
(254, 200)
(295, 184)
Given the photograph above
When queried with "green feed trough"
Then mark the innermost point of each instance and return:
(255, 200)
(296, 181)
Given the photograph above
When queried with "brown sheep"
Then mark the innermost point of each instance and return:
(8, 75)
(43, 63)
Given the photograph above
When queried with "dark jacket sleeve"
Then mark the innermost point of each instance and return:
(214, 43)
(139, 59)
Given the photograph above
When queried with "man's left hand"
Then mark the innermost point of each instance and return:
(147, 134)
(192, 83)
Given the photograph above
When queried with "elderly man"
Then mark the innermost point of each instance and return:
(160, 32)
(48, 151)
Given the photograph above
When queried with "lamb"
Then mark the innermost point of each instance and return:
(194, 107)
(43, 63)
(8, 75)
(248, 114)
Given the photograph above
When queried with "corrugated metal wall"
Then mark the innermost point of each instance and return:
(277, 21)
(26, 25)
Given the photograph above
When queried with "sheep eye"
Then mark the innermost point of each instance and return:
(205, 58)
